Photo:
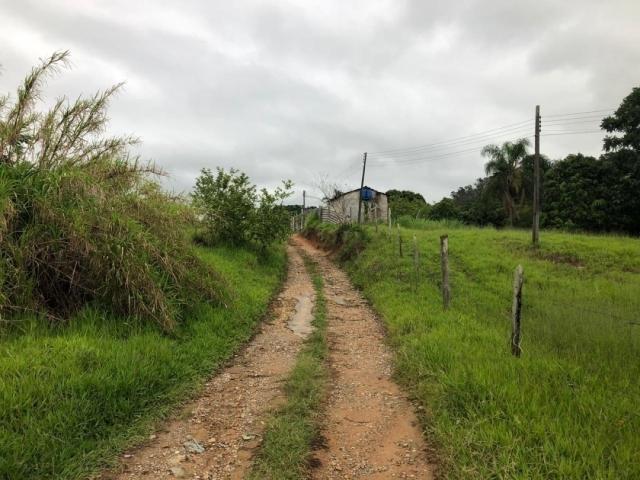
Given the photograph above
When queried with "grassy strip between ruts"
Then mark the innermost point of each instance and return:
(568, 408)
(72, 397)
(294, 428)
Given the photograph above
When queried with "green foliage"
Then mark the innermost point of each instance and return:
(270, 219)
(567, 408)
(72, 399)
(226, 202)
(347, 239)
(232, 211)
(625, 120)
(405, 202)
(577, 192)
(594, 194)
(82, 223)
(294, 429)
(505, 173)
(477, 204)
(444, 209)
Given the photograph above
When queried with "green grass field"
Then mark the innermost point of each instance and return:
(73, 397)
(292, 430)
(568, 408)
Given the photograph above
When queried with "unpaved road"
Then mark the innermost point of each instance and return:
(369, 428)
(228, 418)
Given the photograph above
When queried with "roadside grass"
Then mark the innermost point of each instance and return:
(294, 429)
(568, 409)
(72, 397)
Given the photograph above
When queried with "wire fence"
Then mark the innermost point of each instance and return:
(427, 266)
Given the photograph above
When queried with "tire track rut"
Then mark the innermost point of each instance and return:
(216, 435)
(370, 428)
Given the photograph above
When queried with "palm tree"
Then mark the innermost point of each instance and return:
(505, 172)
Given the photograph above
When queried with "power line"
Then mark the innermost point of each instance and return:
(578, 113)
(565, 121)
(349, 168)
(482, 133)
(412, 161)
(483, 138)
(476, 144)
(573, 133)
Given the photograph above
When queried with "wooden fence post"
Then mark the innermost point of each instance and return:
(416, 260)
(444, 263)
(516, 311)
(399, 241)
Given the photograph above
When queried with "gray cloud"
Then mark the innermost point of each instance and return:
(294, 89)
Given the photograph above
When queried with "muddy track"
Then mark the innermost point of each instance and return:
(370, 429)
(216, 435)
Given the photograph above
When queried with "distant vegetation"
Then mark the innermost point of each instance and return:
(567, 408)
(578, 192)
(407, 203)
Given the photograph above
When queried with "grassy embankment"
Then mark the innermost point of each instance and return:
(72, 396)
(294, 428)
(569, 407)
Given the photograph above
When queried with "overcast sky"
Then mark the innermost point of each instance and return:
(284, 89)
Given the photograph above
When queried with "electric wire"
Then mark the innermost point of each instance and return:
(475, 146)
(571, 123)
(571, 133)
(420, 147)
(484, 138)
(578, 113)
(413, 161)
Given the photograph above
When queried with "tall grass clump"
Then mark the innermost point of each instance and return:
(84, 223)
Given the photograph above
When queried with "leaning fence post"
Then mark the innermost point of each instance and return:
(516, 311)
(399, 241)
(444, 263)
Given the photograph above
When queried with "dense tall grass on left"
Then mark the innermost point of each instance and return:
(109, 315)
(82, 222)
(72, 398)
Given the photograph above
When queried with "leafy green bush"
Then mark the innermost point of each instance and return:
(81, 222)
(232, 210)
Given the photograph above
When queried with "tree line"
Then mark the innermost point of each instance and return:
(578, 192)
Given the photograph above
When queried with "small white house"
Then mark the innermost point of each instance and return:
(343, 208)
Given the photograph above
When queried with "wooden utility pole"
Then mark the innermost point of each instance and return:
(536, 183)
(444, 264)
(364, 167)
(304, 203)
(516, 311)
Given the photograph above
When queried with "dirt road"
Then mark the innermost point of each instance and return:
(369, 427)
(217, 434)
